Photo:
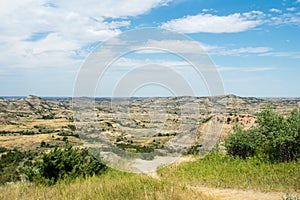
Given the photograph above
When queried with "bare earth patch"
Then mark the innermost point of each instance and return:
(229, 194)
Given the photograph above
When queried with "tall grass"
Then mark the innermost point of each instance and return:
(112, 185)
(218, 170)
(175, 181)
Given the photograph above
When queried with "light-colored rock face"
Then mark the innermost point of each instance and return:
(31, 106)
(161, 119)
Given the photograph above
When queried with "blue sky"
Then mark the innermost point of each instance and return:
(255, 44)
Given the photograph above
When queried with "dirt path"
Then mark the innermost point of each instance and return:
(227, 193)
(230, 194)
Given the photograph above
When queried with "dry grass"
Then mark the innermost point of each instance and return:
(213, 177)
(112, 185)
(229, 194)
(217, 170)
(28, 124)
(23, 142)
(32, 142)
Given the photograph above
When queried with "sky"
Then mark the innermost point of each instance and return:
(253, 44)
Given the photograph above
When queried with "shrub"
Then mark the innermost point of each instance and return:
(65, 138)
(3, 149)
(68, 134)
(9, 164)
(276, 137)
(67, 163)
(242, 143)
(43, 143)
(72, 127)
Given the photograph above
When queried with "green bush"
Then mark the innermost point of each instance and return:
(3, 149)
(68, 134)
(243, 143)
(276, 137)
(43, 144)
(67, 163)
(10, 162)
(72, 127)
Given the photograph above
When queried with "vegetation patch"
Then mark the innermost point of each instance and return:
(110, 185)
(10, 161)
(276, 138)
(67, 163)
(219, 170)
(68, 134)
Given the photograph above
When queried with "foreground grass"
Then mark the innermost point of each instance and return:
(111, 185)
(217, 170)
(175, 182)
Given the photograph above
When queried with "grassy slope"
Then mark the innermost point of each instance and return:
(218, 170)
(112, 185)
(174, 182)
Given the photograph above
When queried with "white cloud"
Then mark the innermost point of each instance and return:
(130, 63)
(180, 46)
(189, 46)
(282, 54)
(291, 9)
(275, 10)
(111, 8)
(71, 25)
(7, 7)
(245, 69)
(208, 10)
(216, 24)
(260, 51)
(40, 54)
(237, 22)
(124, 65)
(286, 18)
(239, 51)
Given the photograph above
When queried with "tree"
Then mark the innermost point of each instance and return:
(242, 143)
(276, 137)
(63, 163)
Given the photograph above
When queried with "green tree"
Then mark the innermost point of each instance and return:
(243, 143)
(63, 163)
(276, 137)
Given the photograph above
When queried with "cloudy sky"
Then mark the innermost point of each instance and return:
(255, 45)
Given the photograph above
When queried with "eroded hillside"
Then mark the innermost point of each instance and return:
(134, 124)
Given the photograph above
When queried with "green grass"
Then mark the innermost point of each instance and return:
(111, 185)
(217, 170)
(177, 181)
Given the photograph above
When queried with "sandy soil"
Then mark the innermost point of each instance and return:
(229, 194)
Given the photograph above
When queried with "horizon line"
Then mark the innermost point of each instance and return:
(110, 97)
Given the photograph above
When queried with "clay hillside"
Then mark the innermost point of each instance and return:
(32, 123)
